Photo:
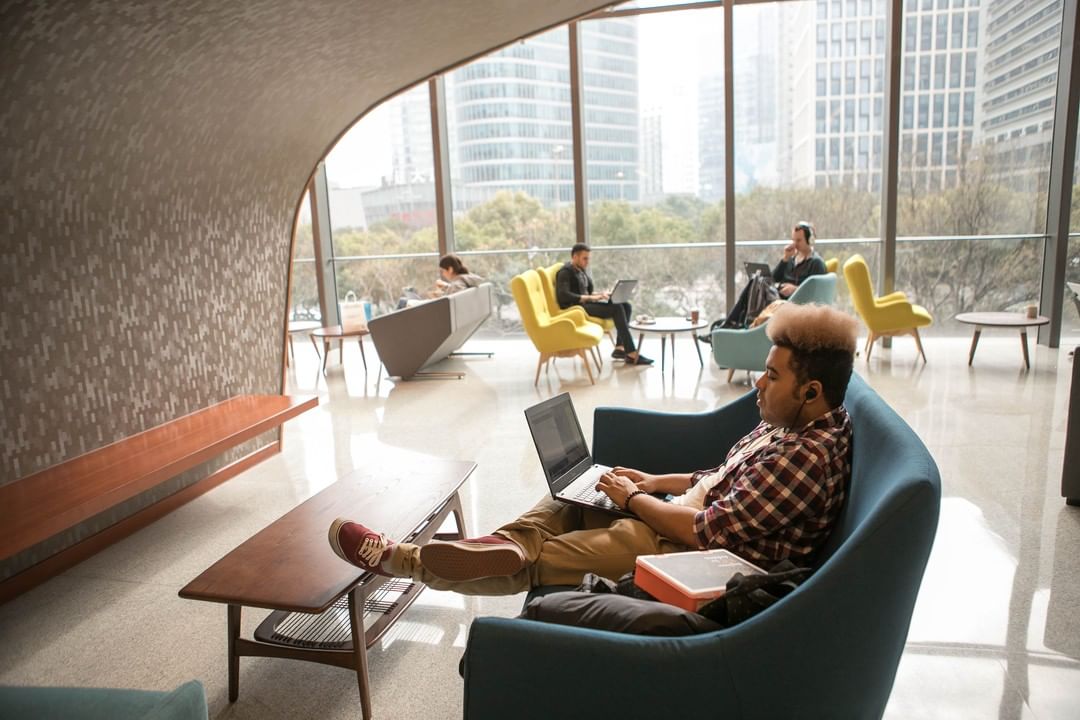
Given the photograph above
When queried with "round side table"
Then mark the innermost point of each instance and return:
(339, 333)
(1018, 321)
(669, 327)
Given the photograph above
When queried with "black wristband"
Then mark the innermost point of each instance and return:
(626, 505)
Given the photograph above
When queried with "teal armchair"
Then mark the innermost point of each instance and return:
(747, 349)
(187, 702)
(830, 649)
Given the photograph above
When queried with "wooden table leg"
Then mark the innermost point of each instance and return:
(363, 357)
(697, 346)
(341, 352)
(1023, 344)
(315, 344)
(234, 658)
(459, 516)
(974, 344)
(356, 624)
(640, 337)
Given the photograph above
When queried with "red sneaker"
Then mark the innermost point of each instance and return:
(356, 544)
(473, 558)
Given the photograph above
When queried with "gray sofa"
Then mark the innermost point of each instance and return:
(415, 337)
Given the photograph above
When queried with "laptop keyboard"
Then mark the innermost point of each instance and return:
(594, 497)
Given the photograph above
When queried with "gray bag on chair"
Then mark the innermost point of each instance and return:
(762, 294)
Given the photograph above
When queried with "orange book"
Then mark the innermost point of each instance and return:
(690, 580)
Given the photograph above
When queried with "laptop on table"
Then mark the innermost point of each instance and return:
(568, 465)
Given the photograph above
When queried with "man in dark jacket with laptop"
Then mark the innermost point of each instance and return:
(574, 286)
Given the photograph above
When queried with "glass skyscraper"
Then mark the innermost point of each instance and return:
(511, 116)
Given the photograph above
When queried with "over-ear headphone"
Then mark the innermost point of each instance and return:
(808, 232)
(811, 393)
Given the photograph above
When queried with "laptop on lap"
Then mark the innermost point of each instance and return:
(752, 268)
(623, 291)
(568, 465)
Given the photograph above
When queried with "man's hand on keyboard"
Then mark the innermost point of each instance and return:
(616, 487)
(642, 480)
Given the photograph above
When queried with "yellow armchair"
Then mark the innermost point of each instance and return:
(576, 313)
(884, 316)
(564, 335)
(547, 281)
(832, 264)
(547, 275)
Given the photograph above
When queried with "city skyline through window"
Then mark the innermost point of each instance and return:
(975, 112)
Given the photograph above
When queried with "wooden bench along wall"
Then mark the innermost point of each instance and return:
(38, 506)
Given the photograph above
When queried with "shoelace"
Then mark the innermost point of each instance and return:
(371, 549)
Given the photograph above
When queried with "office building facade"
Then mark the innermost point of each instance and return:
(1018, 73)
(510, 114)
(939, 77)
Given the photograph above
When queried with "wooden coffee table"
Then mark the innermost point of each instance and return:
(669, 327)
(326, 610)
(339, 333)
(1019, 321)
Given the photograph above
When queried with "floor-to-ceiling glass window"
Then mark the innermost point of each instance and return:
(1070, 325)
(654, 148)
(511, 159)
(809, 108)
(977, 118)
(304, 291)
(382, 203)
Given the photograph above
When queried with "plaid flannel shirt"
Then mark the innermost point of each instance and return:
(780, 501)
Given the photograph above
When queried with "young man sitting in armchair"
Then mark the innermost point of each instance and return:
(776, 496)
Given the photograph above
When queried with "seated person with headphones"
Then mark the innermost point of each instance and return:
(799, 262)
(776, 496)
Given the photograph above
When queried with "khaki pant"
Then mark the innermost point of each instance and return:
(561, 543)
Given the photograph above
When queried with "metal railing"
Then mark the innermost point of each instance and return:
(933, 270)
(687, 246)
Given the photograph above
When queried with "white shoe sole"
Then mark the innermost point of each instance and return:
(332, 536)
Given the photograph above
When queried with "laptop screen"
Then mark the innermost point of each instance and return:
(757, 267)
(623, 291)
(557, 435)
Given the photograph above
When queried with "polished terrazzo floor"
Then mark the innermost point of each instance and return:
(995, 634)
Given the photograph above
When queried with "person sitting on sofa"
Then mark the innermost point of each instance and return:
(776, 496)
(453, 277)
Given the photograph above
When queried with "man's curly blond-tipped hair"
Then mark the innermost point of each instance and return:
(812, 328)
(822, 344)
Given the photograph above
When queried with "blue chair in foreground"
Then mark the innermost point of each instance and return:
(828, 650)
(187, 702)
(747, 349)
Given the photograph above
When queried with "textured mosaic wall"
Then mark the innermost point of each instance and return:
(153, 155)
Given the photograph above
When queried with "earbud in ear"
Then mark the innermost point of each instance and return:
(811, 394)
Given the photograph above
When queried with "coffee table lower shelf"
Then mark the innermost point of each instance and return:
(331, 630)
